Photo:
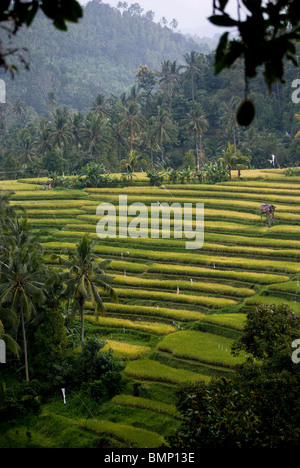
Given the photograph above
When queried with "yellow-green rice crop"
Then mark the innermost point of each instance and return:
(235, 321)
(204, 347)
(147, 369)
(188, 258)
(205, 301)
(259, 278)
(146, 403)
(49, 194)
(291, 287)
(182, 198)
(270, 300)
(207, 247)
(132, 436)
(174, 314)
(211, 288)
(150, 327)
(125, 350)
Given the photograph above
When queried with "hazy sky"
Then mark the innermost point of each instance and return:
(191, 14)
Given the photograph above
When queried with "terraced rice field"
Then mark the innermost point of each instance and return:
(179, 310)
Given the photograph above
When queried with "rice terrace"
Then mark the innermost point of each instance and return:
(149, 227)
(179, 311)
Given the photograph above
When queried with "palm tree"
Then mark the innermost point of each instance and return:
(24, 148)
(196, 124)
(131, 120)
(174, 24)
(233, 158)
(51, 100)
(169, 79)
(9, 341)
(297, 116)
(120, 138)
(163, 130)
(149, 139)
(23, 276)
(77, 127)
(229, 121)
(85, 277)
(193, 68)
(99, 106)
(60, 133)
(164, 21)
(41, 141)
(4, 202)
(19, 108)
(94, 131)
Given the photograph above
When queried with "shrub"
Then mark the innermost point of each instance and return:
(50, 341)
(19, 401)
(108, 386)
(155, 177)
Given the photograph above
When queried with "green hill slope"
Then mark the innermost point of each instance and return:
(99, 55)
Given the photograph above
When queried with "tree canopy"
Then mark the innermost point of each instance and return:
(13, 15)
(267, 32)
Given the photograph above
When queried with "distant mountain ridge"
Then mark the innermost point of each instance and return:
(101, 54)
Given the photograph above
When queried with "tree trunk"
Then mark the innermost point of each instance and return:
(82, 330)
(193, 88)
(119, 152)
(82, 327)
(25, 344)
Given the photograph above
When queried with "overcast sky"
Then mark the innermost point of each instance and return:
(191, 14)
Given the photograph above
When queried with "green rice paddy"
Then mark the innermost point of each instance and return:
(179, 310)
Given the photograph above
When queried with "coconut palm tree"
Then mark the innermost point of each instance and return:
(297, 116)
(11, 344)
(94, 131)
(41, 141)
(86, 276)
(77, 127)
(228, 120)
(233, 158)
(196, 124)
(4, 202)
(19, 108)
(169, 79)
(60, 129)
(193, 68)
(149, 140)
(163, 130)
(23, 276)
(52, 100)
(99, 106)
(24, 147)
(131, 120)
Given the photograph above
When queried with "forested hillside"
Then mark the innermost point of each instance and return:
(126, 93)
(101, 54)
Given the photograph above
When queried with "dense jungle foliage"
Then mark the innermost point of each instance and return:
(128, 93)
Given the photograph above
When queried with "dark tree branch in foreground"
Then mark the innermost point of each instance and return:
(14, 15)
(267, 33)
